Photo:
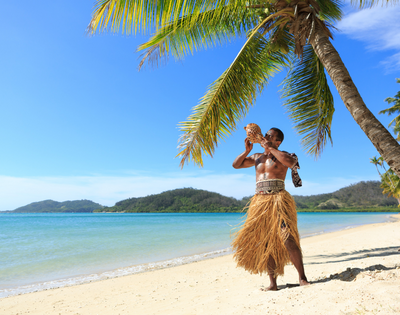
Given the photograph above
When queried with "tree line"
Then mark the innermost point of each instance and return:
(366, 196)
(179, 200)
(360, 196)
(363, 195)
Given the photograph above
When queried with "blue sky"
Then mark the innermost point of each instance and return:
(78, 121)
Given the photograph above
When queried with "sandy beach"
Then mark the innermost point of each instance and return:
(354, 271)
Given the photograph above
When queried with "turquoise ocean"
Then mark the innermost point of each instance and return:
(42, 251)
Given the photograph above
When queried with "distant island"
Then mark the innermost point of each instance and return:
(364, 196)
(51, 206)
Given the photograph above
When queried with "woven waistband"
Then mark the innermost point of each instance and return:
(269, 186)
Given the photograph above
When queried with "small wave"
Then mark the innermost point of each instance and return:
(120, 272)
(312, 234)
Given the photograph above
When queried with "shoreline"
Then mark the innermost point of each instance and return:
(353, 271)
(300, 210)
(358, 268)
(148, 267)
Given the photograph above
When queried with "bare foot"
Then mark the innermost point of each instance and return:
(272, 287)
(304, 282)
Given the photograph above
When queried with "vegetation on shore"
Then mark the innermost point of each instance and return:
(390, 182)
(179, 200)
(364, 196)
(360, 197)
(355, 209)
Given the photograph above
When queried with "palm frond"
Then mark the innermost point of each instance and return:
(130, 16)
(228, 99)
(372, 3)
(395, 109)
(396, 191)
(309, 101)
(190, 34)
(390, 184)
(330, 11)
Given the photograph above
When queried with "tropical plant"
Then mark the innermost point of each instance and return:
(392, 110)
(277, 32)
(388, 179)
(391, 185)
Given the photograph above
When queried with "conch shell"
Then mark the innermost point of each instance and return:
(254, 134)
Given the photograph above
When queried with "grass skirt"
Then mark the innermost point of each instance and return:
(271, 219)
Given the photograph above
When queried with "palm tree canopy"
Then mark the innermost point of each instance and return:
(390, 184)
(276, 33)
(374, 161)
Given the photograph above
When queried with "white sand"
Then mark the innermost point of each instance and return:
(355, 271)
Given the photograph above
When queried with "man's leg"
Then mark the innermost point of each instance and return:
(297, 259)
(271, 273)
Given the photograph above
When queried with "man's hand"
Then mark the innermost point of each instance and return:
(248, 145)
(242, 160)
(266, 145)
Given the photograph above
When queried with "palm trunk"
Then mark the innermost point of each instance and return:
(378, 170)
(380, 137)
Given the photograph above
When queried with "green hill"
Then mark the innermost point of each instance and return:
(362, 195)
(178, 200)
(47, 206)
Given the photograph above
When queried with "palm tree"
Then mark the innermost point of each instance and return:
(390, 181)
(277, 31)
(394, 109)
(376, 162)
(392, 189)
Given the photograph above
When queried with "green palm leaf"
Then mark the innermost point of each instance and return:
(228, 99)
(183, 26)
(190, 34)
(371, 3)
(140, 15)
(309, 101)
(390, 184)
(209, 28)
(395, 109)
(330, 10)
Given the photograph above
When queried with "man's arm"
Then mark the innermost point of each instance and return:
(283, 157)
(242, 161)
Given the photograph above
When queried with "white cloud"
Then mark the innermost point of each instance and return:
(107, 190)
(378, 27)
(392, 63)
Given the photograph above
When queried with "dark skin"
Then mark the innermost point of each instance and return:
(274, 164)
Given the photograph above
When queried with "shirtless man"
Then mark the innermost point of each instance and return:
(271, 168)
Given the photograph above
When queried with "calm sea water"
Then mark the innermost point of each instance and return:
(39, 251)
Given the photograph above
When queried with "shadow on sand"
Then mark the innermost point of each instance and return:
(354, 255)
(350, 273)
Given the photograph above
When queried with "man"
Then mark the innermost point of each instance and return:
(269, 238)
